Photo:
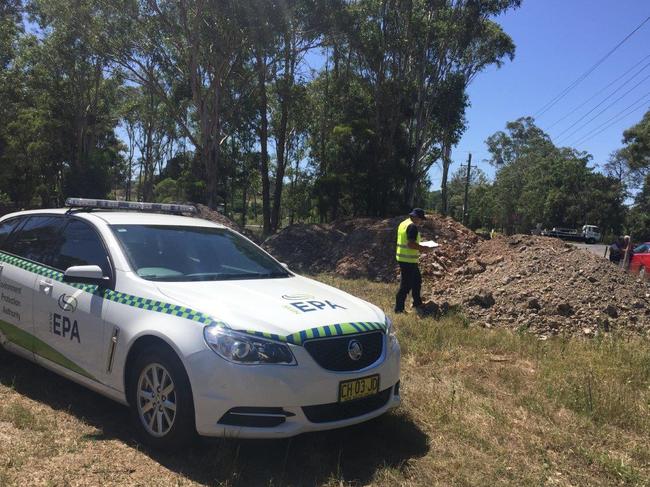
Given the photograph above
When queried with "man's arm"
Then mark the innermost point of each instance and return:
(412, 236)
(417, 246)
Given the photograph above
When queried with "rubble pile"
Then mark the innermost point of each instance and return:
(214, 216)
(365, 247)
(546, 286)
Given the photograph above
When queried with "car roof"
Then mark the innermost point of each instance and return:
(125, 217)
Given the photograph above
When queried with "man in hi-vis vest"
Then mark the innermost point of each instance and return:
(407, 254)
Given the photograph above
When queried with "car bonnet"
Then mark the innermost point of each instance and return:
(291, 309)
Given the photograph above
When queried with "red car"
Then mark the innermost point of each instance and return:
(641, 260)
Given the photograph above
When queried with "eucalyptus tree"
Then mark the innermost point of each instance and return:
(411, 61)
(635, 156)
(60, 135)
(637, 146)
(151, 133)
(537, 182)
(186, 54)
(10, 79)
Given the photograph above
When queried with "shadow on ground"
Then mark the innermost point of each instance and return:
(351, 454)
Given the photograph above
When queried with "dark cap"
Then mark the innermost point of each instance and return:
(417, 212)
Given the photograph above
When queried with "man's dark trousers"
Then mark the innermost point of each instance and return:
(411, 282)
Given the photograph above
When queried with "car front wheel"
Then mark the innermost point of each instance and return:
(161, 400)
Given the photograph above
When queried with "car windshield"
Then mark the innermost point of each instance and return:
(642, 249)
(182, 253)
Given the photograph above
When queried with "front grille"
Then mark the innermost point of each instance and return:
(332, 353)
(335, 411)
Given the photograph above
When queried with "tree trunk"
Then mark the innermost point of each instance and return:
(285, 101)
(264, 152)
(409, 190)
(446, 162)
(209, 156)
(244, 203)
(292, 209)
(322, 143)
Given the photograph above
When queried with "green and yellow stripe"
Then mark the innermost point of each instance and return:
(339, 329)
(298, 338)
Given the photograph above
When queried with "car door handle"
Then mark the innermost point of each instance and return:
(45, 286)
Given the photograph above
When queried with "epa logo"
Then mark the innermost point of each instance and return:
(64, 327)
(67, 303)
(307, 306)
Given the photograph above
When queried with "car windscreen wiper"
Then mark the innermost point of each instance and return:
(253, 275)
(215, 276)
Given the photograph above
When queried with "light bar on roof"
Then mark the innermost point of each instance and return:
(129, 205)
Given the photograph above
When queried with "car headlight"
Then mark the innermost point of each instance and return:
(246, 349)
(391, 337)
(389, 326)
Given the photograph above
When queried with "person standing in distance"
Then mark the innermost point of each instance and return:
(407, 254)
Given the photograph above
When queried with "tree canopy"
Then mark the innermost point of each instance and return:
(344, 104)
(277, 112)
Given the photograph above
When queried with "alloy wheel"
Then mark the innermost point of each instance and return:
(156, 400)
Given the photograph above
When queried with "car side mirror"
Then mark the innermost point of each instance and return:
(85, 274)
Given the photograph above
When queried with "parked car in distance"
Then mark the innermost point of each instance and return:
(640, 261)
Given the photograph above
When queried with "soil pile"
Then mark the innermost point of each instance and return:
(214, 216)
(365, 247)
(547, 286)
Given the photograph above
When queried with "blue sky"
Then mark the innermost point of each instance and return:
(557, 41)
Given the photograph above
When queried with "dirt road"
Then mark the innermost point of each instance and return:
(598, 249)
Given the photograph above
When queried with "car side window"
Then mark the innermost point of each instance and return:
(38, 239)
(80, 245)
(6, 228)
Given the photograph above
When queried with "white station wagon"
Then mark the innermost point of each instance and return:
(190, 324)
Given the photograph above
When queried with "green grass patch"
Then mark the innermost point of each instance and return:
(510, 393)
(22, 417)
(480, 407)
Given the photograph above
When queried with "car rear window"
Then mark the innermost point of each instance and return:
(6, 227)
(38, 239)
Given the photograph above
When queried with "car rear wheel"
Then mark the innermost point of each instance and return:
(161, 400)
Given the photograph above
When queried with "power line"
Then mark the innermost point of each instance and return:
(559, 136)
(613, 123)
(598, 93)
(581, 78)
(603, 110)
(633, 107)
(619, 116)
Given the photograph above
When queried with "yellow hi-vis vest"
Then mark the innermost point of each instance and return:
(404, 253)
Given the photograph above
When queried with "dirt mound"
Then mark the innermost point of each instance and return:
(365, 247)
(214, 216)
(547, 286)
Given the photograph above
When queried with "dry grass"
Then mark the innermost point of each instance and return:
(481, 407)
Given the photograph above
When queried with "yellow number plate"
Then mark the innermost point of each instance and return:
(350, 390)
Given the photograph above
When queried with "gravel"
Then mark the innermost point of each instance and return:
(547, 287)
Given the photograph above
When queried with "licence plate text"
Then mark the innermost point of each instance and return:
(358, 388)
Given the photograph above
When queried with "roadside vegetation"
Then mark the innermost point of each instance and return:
(481, 407)
(324, 110)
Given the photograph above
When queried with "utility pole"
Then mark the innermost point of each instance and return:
(465, 208)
